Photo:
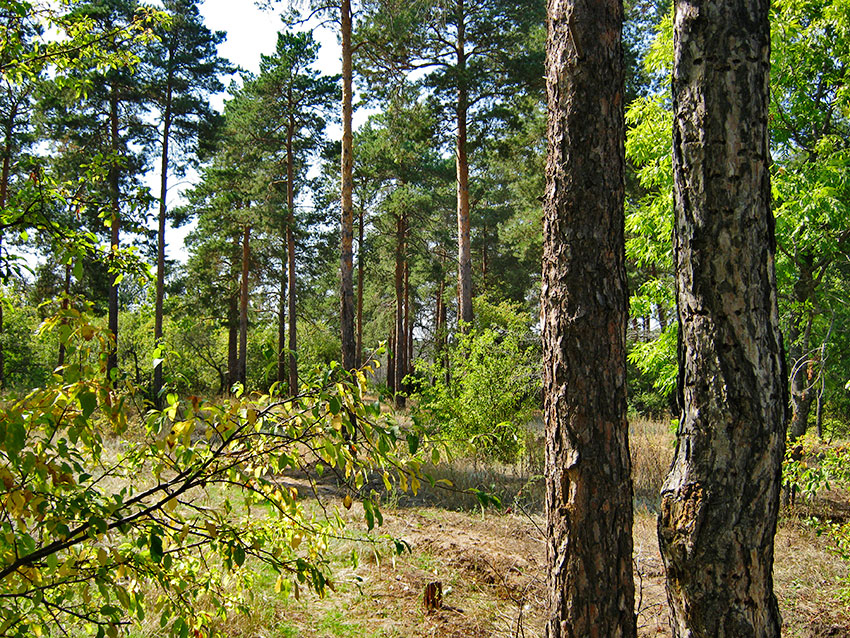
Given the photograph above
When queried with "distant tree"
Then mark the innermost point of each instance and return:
(720, 501)
(109, 124)
(183, 69)
(288, 104)
(584, 313)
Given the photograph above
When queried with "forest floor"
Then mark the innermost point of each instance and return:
(491, 564)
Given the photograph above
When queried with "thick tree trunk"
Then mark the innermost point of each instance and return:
(584, 312)
(160, 250)
(399, 338)
(290, 253)
(359, 355)
(464, 257)
(346, 315)
(115, 228)
(721, 498)
(243, 307)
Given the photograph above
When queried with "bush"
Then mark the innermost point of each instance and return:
(98, 530)
(482, 396)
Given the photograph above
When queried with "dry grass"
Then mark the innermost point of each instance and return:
(492, 564)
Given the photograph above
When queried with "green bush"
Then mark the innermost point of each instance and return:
(482, 394)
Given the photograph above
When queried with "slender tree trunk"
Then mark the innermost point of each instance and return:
(359, 356)
(160, 251)
(347, 221)
(282, 362)
(408, 319)
(399, 338)
(112, 359)
(243, 307)
(67, 290)
(391, 361)
(464, 257)
(799, 342)
(4, 191)
(290, 252)
(232, 339)
(584, 312)
(720, 500)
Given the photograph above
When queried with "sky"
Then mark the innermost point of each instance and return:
(251, 32)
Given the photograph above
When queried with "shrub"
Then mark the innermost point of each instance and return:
(483, 394)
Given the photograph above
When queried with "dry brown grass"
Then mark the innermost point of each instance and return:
(492, 564)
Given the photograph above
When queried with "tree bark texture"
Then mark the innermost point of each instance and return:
(464, 256)
(721, 498)
(115, 230)
(346, 315)
(243, 307)
(584, 314)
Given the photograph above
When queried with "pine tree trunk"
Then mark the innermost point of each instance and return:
(290, 252)
(160, 249)
(408, 322)
(115, 229)
(721, 498)
(4, 190)
(584, 313)
(464, 257)
(359, 355)
(391, 361)
(243, 307)
(233, 338)
(399, 337)
(347, 220)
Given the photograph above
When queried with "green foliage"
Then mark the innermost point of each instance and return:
(98, 529)
(482, 395)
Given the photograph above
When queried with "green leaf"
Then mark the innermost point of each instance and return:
(88, 403)
(239, 555)
(156, 548)
(412, 443)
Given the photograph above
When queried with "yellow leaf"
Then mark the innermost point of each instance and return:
(171, 504)
(336, 422)
(296, 540)
(347, 501)
(102, 556)
(278, 584)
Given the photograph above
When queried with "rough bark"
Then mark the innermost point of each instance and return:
(721, 498)
(464, 258)
(160, 248)
(584, 314)
(115, 230)
(242, 366)
(346, 296)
